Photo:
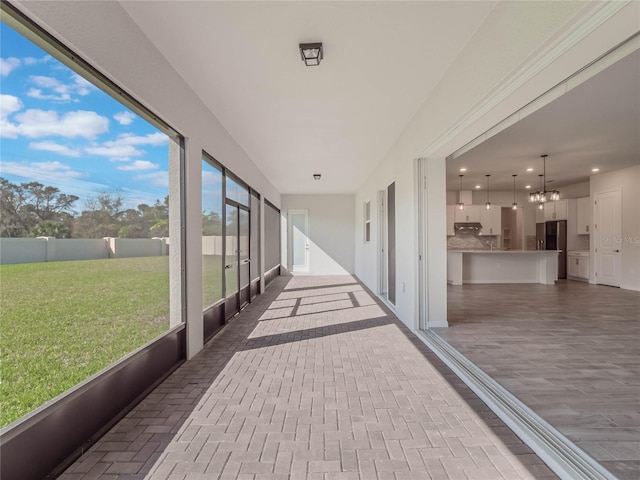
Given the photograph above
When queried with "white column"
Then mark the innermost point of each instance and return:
(191, 216)
(436, 242)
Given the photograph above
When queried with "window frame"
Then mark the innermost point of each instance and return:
(366, 233)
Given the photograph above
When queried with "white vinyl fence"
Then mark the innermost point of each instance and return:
(50, 249)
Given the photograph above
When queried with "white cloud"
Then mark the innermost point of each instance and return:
(118, 153)
(158, 179)
(7, 65)
(8, 105)
(59, 91)
(49, 146)
(35, 123)
(211, 179)
(42, 171)
(124, 118)
(37, 93)
(124, 146)
(138, 165)
(34, 61)
(154, 139)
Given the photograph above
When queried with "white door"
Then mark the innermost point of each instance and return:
(299, 221)
(382, 242)
(608, 237)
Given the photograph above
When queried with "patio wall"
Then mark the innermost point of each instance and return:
(50, 249)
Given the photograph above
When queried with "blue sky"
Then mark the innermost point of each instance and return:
(60, 130)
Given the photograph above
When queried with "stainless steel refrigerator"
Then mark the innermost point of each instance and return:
(553, 236)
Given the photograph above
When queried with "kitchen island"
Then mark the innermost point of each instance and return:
(502, 266)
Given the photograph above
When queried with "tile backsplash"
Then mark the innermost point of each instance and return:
(469, 241)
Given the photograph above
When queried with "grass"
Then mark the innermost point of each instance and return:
(62, 322)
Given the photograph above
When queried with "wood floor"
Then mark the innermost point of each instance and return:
(570, 351)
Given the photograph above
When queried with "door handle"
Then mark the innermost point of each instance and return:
(227, 267)
(616, 251)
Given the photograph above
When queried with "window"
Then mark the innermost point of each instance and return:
(271, 241)
(237, 192)
(367, 222)
(85, 227)
(212, 243)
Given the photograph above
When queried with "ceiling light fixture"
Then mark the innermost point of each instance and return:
(316, 176)
(542, 195)
(487, 205)
(527, 186)
(461, 203)
(514, 205)
(463, 169)
(595, 169)
(311, 53)
(478, 186)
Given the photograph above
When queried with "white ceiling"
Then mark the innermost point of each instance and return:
(382, 59)
(595, 125)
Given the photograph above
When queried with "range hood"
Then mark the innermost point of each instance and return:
(467, 227)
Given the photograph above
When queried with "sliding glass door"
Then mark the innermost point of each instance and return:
(237, 260)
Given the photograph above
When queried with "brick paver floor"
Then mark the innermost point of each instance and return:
(314, 380)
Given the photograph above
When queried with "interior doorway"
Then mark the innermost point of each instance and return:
(387, 243)
(299, 221)
(608, 237)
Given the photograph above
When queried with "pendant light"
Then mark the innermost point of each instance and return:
(542, 195)
(514, 205)
(539, 195)
(487, 205)
(460, 204)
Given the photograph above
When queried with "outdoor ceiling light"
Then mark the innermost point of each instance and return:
(542, 195)
(316, 176)
(311, 53)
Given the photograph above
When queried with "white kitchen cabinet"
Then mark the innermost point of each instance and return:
(555, 210)
(573, 267)
(491, 220)
(584, 265)
(578, 265)
(451, 219)
(471, 213)
(582, 218)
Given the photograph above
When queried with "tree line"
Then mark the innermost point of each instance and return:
(32, 209)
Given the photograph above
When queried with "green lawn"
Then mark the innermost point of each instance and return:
(61, 322)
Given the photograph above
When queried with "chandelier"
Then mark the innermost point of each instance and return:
(543, 195)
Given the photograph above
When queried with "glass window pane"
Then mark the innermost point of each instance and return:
(243, 240)
(77, 166)
(237, 192)
(212, 258)
(231, 260)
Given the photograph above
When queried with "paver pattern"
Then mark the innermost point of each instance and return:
(313, 380)
(570, 351)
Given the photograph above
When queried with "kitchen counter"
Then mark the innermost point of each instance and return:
(502, 266)
(494, 251)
